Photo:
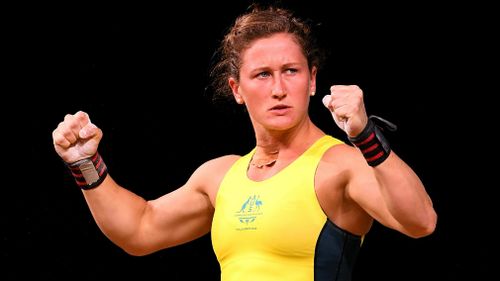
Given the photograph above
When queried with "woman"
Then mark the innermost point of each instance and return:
(295, 207)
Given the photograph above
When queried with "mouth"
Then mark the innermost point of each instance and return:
(280, 109)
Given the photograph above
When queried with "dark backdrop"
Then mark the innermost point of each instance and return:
(141, 72)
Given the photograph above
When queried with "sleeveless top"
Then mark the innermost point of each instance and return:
(275, 229)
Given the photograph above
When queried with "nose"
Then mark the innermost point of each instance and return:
(278, 92)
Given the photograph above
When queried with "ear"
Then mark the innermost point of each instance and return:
(234, 87)
(312, 83)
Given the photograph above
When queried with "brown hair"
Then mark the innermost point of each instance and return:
(258, 23)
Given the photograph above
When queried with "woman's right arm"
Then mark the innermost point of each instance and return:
(137, 226)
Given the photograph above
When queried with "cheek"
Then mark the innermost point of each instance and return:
(256, 104)
(253, 101)
(254, 93)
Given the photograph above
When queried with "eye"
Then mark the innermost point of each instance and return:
(263, 74)
(291, 70)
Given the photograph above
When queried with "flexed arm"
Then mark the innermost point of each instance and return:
(134, 224)
(388, 189)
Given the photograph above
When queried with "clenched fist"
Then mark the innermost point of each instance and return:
(346, 104)
(76, 137)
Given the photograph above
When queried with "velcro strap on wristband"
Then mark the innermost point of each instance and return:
(372, 143)
(89, 172)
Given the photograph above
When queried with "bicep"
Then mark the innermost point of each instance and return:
(175, 218)
(364, 189)
(185, 213)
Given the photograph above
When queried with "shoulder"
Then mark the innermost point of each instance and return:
(209, 174)
(221, 163)
(344, 154)
(343, 166)
(343, 158)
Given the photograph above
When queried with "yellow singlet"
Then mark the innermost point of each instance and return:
(275, 229)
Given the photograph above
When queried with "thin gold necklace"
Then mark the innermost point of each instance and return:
(261, 163)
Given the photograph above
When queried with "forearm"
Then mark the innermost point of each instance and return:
(401, 189)
(405, 196)
(117, 211)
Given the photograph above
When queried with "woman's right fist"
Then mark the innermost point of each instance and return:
(76, 137)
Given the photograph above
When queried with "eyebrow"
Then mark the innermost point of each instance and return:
(287, 65)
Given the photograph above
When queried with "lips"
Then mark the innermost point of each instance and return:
(279, 107)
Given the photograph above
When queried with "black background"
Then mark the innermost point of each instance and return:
(140, 71)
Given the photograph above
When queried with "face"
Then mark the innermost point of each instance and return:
(275, 82)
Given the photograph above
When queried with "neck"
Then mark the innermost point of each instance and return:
(287, 144)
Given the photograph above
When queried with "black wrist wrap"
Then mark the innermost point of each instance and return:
(89, 172)
(372, 143)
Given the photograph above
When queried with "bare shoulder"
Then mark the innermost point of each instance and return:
(341, 161)
(220, 163)
(342, 155)
(209, 175)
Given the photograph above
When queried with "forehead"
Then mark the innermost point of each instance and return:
(278, 47)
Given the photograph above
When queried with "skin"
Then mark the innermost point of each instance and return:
(275, 85)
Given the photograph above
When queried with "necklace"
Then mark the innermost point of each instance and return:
(260, 163)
